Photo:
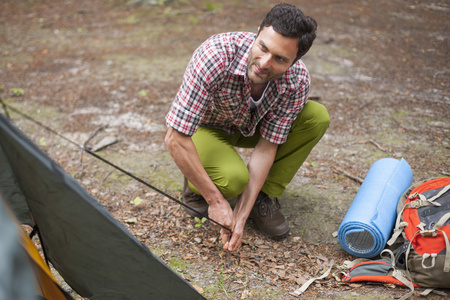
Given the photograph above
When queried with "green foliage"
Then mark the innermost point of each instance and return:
(223, 282)
(136, 201)
(194, 20)
(17, 92)
(159, 252)
(169, 11)
(199, 221)
(131, 20)
(177, 264)
(213, 6)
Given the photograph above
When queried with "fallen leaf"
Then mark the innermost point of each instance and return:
(321, 257)
(188, 256)
(323, 186)
(296, 239)
(300, 279)
(245, 294)
(136, 201)
(131, 220)
(263, 246)
(199, 289)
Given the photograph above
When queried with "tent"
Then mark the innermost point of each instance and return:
(90, 249)
(25, 275)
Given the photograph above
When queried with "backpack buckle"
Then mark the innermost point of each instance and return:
(415, 204)
(428, 233)
(413, 196)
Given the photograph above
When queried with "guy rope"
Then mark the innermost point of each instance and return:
(89, 151)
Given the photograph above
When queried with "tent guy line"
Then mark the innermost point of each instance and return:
(87, 150)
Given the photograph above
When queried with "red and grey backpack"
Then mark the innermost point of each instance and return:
(422, 231)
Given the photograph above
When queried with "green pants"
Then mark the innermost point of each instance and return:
(229, 172)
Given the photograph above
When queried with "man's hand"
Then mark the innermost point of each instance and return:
(236, 238)
(222, 213)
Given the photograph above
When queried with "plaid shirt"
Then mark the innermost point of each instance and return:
(216, 92)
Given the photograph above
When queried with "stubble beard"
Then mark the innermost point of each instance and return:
(254, 77)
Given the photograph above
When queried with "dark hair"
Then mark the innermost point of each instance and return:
(289, 21)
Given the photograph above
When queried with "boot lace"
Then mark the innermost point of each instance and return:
(267, 206)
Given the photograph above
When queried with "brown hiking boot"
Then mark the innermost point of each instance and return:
(195, 201)
(268, 218)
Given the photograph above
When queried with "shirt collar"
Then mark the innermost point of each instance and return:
(239, 63)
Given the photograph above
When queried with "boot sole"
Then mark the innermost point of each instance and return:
(275, 237)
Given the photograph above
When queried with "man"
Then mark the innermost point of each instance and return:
(249, 90)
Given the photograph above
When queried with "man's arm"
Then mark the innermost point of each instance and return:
(259, 166)
(184, 153)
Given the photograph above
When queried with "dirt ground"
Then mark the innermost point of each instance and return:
(95, 70)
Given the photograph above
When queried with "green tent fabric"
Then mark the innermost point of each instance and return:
(12, 191)
(90, 249)
(16, 274)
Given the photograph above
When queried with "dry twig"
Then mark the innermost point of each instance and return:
(93, 135)
(345, 173)
(376, 145)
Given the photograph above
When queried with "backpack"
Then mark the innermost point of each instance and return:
(422, 233)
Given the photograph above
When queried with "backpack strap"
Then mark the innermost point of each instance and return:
(399, 226)
(305, 285)
(421, 202)
(439, 224)
(442, 192)
(442, 221)
(399, 274)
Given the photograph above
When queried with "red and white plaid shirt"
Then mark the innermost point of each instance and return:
(215, 92)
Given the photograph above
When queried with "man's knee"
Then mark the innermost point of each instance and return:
(316, 112)
(314, 116)
(232, 182)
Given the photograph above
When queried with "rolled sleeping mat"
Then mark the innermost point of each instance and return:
(368, 222)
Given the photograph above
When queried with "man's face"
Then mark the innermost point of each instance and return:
(271, 55)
